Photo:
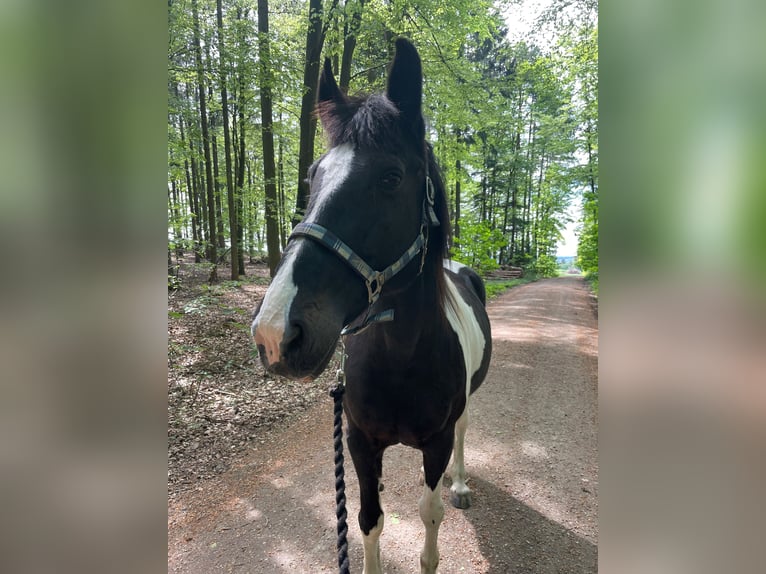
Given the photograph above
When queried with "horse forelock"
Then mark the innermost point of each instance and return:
(365, 122)
(371, 122)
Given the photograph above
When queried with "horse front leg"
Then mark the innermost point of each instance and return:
(368, 463)
(435, 459)
(460, 494)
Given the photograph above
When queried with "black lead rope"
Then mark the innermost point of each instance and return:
(340, 484)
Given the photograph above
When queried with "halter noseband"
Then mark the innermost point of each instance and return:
(374, 280)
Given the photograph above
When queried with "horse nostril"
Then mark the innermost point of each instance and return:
(293, 335)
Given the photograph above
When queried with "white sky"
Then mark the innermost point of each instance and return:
(520, 16)
(568, 246)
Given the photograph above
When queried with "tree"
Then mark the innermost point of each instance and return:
(353, 21)
(315, 36)
(212, 253)
(235, 271)
(267, 136)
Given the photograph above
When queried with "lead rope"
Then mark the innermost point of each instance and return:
(340, 484)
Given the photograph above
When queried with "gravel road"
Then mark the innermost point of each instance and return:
(531, 455)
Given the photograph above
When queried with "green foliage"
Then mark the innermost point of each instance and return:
(514, 124)
(545, 266)
(592, 278)
(587, 249)
(478, 245)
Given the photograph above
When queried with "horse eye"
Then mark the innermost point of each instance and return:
(391, 180)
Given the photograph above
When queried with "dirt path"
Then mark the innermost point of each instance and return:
(531, 454)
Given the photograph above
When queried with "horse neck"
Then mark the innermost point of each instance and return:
(418, 308)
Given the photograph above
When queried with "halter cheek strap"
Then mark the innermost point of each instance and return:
(374, 280)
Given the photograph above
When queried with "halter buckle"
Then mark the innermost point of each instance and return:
(374, 286)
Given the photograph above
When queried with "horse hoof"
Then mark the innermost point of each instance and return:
(461, 501)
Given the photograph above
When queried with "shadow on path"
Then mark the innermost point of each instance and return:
(528, 542)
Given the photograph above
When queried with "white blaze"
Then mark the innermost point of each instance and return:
(335, 167)
(269, 326)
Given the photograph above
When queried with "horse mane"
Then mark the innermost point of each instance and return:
(438, 237)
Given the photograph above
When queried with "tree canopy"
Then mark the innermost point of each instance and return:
(514, 125)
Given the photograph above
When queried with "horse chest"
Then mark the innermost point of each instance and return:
(406, 407)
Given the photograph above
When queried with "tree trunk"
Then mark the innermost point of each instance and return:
(308, 121)
(240, 172)
(227, 145)
(457, 200)
(175, 207)
(281, 191)
(509, 204)
(591, 162)
(267, 135)
(535, 229)
(212, 252)
(191, 190)
(491, 194)
(253, 219)
(220, 236)
(351, 28)
(525, 236)
(202, 199)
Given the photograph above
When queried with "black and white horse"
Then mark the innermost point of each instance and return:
(421, 338)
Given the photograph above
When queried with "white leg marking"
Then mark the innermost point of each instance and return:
(371, 543)
(268, 327)
(431, 513)
(460, 493)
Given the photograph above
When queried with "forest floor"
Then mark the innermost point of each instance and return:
(250, 475)
(220, 400)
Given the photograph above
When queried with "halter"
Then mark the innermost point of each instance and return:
(374, 280)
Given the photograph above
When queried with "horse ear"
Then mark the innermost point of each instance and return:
(328, 87)
(332, 104)
(405, 81)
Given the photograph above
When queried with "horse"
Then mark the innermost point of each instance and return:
(417, 336)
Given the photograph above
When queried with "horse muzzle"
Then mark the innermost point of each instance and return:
(291, 352)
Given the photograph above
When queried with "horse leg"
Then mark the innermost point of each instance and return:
(368, 463)
(460, 494)
(435, 459)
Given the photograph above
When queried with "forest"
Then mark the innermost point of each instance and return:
(514, 125)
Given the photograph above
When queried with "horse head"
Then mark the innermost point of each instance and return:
(368, 206)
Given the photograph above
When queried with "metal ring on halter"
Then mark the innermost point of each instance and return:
(430, 191)
(374, 287)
